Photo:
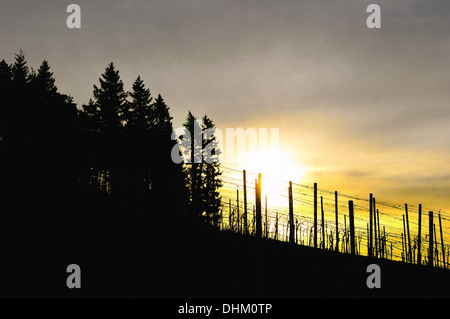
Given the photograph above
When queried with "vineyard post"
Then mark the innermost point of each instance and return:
(380, 244)
(352, 227)
(419, 239)
(276, 226)
(371, 226)
(435, 246)
(237, 212)
(258, 208)
(245, 204)
(315, 215)
(403, 248)
(430, 238)
(374, 214)
(442, 241)
(409, 237)
(406, 240)
(323, 222)
(291, 216)
(230, 221)
(266, 226)
(336, 213)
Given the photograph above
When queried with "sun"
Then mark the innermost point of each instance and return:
(277, 170)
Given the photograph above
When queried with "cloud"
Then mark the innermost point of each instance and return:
(346, 98)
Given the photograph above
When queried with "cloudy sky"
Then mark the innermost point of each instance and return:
(364, 110)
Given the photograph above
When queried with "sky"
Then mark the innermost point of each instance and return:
(361, 110)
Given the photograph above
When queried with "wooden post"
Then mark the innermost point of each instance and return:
(419, 239)
(267, 226)
(371, 226)
(375, 226)
(337, 224)
(291, 216)
(254, 220)
(258, 208)
(323, 222)
(403, 249)
(276, 226)
(380, 245)
(245, 204)
(374, 214)
(315, 215)
(430, 238)
(409, 237)
(230, 221)
(352, 227)
(442, 241)
(237, 211)
(436, 252)
(406, 241)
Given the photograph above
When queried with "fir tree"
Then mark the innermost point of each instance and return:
(20, 70)
(140, 112)
(192, 169)
(5, 75)
(211, 173)
(110, 98)
(5, 88)
(202, 174)
(44, 81)
(162, 121)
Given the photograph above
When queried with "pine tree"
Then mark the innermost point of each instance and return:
(111, 101)
(162, 121)
(44, 81)
(5, 88)
(140, 111)
(20, 70)
(211, 173)
(202, 174)
(192, 169)
(5, 74)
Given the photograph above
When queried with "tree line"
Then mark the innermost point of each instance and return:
(114, 149)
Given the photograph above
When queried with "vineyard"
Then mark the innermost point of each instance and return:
(311, 216)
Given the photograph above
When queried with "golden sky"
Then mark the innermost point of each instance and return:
(360, 110)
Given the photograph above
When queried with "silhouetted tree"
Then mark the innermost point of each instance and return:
(20, 70)
(202, 172)
(211, 173)
(5, 75)
(44, 81)
(140, 112)
(110, 99)
(5, 89)
(161, 119)
(192, 169)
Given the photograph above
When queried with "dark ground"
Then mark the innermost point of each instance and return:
(137, 255)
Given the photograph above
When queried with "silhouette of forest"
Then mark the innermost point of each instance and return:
(81, 182)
